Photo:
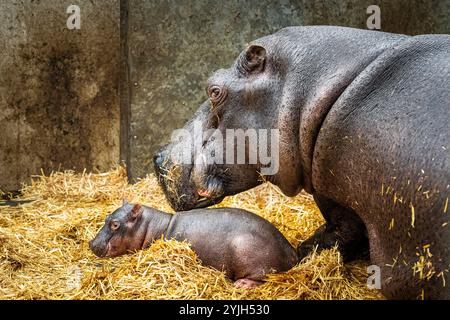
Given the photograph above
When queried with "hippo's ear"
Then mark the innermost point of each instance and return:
(136, 211)
(255, 58)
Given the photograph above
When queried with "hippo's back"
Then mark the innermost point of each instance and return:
(235, 240)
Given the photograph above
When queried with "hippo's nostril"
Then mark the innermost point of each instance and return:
(158, 160)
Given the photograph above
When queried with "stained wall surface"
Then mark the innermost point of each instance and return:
(59, 102)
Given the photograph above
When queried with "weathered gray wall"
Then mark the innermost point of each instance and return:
(174, 46)
(59, 104)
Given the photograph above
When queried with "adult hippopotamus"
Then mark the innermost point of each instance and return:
(242, 244)
(364, 126)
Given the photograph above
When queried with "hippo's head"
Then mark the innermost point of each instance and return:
(123, 232)
(232, 143)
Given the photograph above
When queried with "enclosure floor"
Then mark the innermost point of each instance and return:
(44, 250)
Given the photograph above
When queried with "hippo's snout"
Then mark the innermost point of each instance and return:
(174, 180)
(187, 186)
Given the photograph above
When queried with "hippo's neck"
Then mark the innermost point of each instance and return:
(155, 225)
(326, 61)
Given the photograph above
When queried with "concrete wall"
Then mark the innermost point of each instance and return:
(59, 102)
(174, 46)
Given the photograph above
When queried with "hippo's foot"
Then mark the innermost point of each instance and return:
(343, 228)
(245, 283)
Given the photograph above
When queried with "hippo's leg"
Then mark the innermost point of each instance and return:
(343, 227)
(245, 283)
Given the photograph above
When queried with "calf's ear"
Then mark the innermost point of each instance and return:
(254, 58)
(136, 211)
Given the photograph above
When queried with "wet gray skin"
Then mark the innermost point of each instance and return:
(242, 244)
(364, 121)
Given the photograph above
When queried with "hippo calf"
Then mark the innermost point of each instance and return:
(236, 241)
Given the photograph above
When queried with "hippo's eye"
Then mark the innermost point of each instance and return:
(114, 225)
(216, 95)
(215, 92)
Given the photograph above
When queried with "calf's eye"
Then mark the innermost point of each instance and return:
(115, 225)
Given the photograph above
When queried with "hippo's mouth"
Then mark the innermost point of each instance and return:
(204, 202)
(210, 194)
(184, 192)
(191, 198)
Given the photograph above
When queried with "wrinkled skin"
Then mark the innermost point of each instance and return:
(363, 119)
(126, 230)
(236, 241)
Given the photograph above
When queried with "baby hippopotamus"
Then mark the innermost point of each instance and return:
(236, 241)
